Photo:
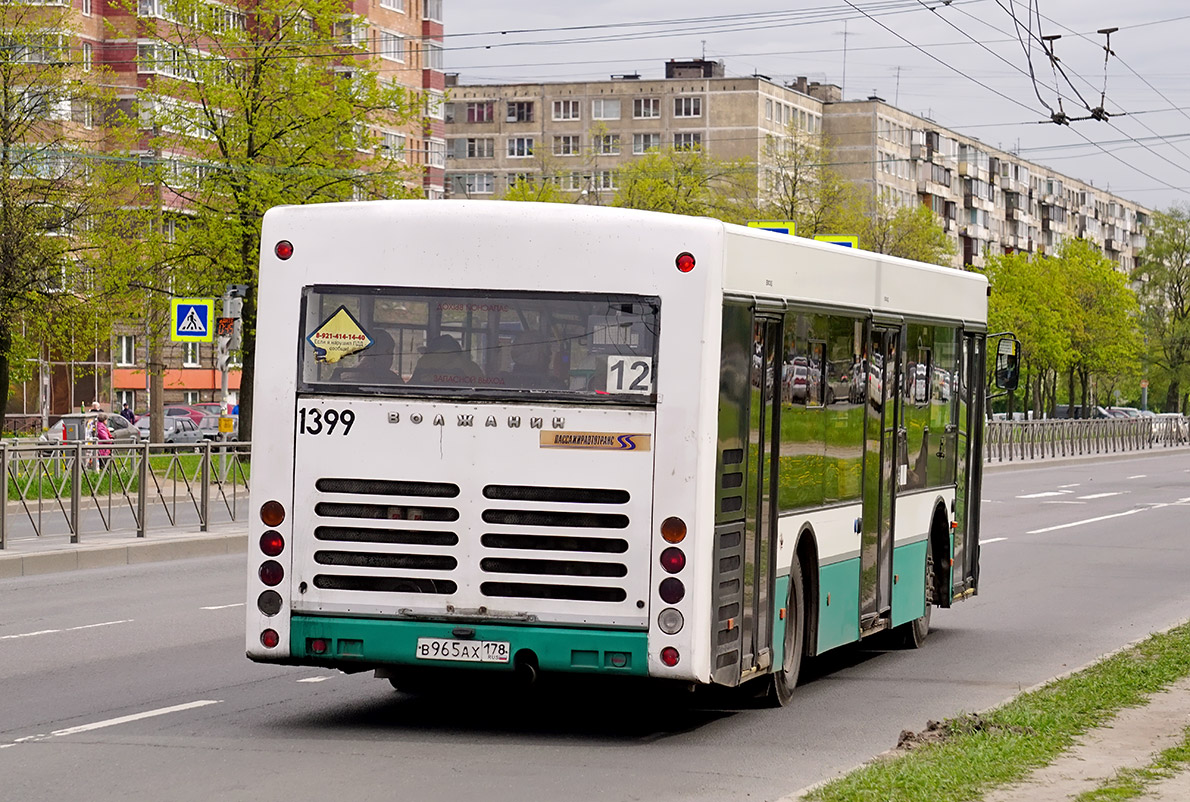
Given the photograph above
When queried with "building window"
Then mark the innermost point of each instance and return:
(606, 179)
(473, 148)
(483, 111)
(605, 109)
(768, 109)
(473, 183)
(390, 45)
(125, 397)
(642, 143)
(687, 107)
(87, 7)
(432, 56)
(392, 145)
(566, 110)
(86, 56)
(646, 108)
(687, 141)
(436, 152)
(520, 147)
(569, 181)
(126, 350)
(190, 397)
(520, 111)
(432, 9)
(395, 5)
(608, 145)
(568, 145)
(191, 358)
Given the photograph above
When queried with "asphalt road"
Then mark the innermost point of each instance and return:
(130, 683)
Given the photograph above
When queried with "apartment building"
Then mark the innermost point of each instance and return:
(991, 201)
(578, 133)
(407, 38)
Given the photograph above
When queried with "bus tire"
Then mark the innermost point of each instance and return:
(783, 682)
(913, 634)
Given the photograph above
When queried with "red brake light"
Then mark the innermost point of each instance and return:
(318, 645)
(685, 262)
(271, 573)
(283, 249)
(269, 639)
(271, 543)
(673, 560)
(670, 656)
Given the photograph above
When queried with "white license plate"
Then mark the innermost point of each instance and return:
(466, 651)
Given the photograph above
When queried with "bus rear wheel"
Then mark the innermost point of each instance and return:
(783, 682)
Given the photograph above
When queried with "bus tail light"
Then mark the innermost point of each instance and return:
(673, 560)
(269, 602)
(670, 656)
(670, 621)
(685, 262)
(672, 590)
(269, 639)
(673, 530)
(271, 543)
(283, 249)
(271, 573)
(272, 513)
(319, 645)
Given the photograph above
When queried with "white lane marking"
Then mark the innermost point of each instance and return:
(222, 606)
(1076, 484)
(992, 540)
(1108, 517)
(1102, 495)
(1043, 495)
(65, 629)
(314, 679)
(1138, 476)
(111, 722)
(1063, 502)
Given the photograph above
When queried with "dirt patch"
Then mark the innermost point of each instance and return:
(940, 731)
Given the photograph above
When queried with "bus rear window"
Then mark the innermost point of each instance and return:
(497, 344)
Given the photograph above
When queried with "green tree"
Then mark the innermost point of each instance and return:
(543, 191)
(1028, 299)
(910, 232)
(280, 104)
(57, 120)
(799, 183)
(1103, 328)
(687, 181)
(1163, 281)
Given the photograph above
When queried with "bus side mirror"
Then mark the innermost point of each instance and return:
(1008, 363)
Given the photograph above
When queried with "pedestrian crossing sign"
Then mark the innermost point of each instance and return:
(193, 320)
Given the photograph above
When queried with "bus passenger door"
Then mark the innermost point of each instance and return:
(964, 577)
(880, 473)
(761, 520)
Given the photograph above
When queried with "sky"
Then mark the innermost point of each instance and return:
(965, 64)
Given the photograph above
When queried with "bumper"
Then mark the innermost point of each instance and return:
(369, 643)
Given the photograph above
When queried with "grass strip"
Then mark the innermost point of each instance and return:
(962, 758)
(1132, 783)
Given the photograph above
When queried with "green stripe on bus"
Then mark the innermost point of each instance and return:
(909, 590)
(378, 642)
(838, 604)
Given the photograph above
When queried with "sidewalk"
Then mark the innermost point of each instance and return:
(30, 556)
(1131, 742)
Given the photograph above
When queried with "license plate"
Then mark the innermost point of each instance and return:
(466, 651)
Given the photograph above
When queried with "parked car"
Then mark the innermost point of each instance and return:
(209, 408)
(210, 428)
(184, 410)
(178, 429)
(1124, 412)
(1171, 428)
(80, 427)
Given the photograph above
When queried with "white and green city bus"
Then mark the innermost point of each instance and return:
(555, 438)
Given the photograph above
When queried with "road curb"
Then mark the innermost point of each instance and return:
(114, 554)
(799, 795)
(1085, 459)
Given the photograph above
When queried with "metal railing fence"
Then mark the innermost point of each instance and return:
(72, 488)
(1007, 441)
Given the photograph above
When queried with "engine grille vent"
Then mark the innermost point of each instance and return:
(388, 487)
